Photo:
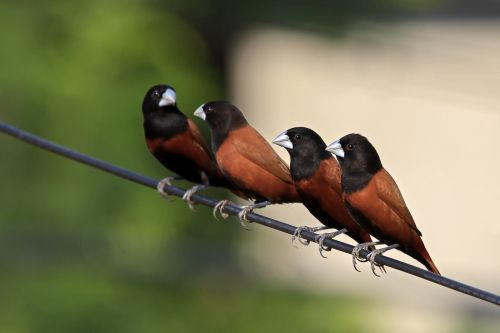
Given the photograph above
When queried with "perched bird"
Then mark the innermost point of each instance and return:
(374, 200)
(177, 143)
(316, 175)
(246, 159)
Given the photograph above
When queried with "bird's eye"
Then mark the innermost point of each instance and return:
(209, 110)
(156, 93)
(298, 136)
(350, 146)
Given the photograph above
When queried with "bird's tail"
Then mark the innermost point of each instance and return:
(431, 266)
(425, 258)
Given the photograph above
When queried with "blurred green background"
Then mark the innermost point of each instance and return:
(82, 251)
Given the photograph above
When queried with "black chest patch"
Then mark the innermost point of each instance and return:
(164, 125)
(355, 181)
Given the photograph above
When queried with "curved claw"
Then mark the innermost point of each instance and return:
(187, 198)
(371, 257)
(248, 209)
(164, 182)
(189, 193)
(355, 253)
(355, 256)
(376, 264)
(354, 264)
(167, 181)
(320, 239)
(242, 215)
(218, 208)
(360, 258)
(297, 234)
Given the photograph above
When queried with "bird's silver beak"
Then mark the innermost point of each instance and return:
(283, 140)
(200, 113)
(336, 148)
(168, 98)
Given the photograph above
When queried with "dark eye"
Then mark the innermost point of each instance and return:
(156, 93)
(209, 109)
(349, 146)
(298, 136)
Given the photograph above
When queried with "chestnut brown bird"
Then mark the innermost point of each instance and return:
(374, 200)
(246, 159)
(177, 143)
(316, 175)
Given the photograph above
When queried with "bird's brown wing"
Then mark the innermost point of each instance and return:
(389, 193)
(253, 147)
(254, 168)
(190, 146)
(331, 172)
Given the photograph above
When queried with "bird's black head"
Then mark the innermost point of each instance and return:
(356, 154)
(302, 142)
(222, 117)
(306, 149)
(162, 118)
(159, 98)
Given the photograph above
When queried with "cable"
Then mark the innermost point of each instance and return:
(234, 210)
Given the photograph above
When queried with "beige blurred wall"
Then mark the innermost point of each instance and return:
(427, 94)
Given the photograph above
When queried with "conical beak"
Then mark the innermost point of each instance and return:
(168, 98)
(283, 140)
(200, 113)
(336, 148)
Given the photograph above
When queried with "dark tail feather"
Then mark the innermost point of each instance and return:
(426, 260)
(431, 266)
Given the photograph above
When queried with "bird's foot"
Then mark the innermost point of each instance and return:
(298, 231)
(167, 181)
(218, 208)
(355, 252)
(321, 238)
(371, 257)
(189, 193)
(243, 214)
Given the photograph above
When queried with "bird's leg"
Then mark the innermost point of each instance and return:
(189, 193)
(371, 256)
(321, 238)
(357, 249)
(298, 231)
(248, 209)
(219, 207)
(167, 181)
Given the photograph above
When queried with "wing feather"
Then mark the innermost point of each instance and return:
(389, 193)
(245, 141)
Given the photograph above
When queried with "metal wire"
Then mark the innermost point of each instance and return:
(253, 217)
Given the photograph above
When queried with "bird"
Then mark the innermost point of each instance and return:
(246, 159)
(375, 202)
(177, 143)
(316, 175)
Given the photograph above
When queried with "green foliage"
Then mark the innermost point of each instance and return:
(82, 302)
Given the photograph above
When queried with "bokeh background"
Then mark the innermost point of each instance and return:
(82, 251)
